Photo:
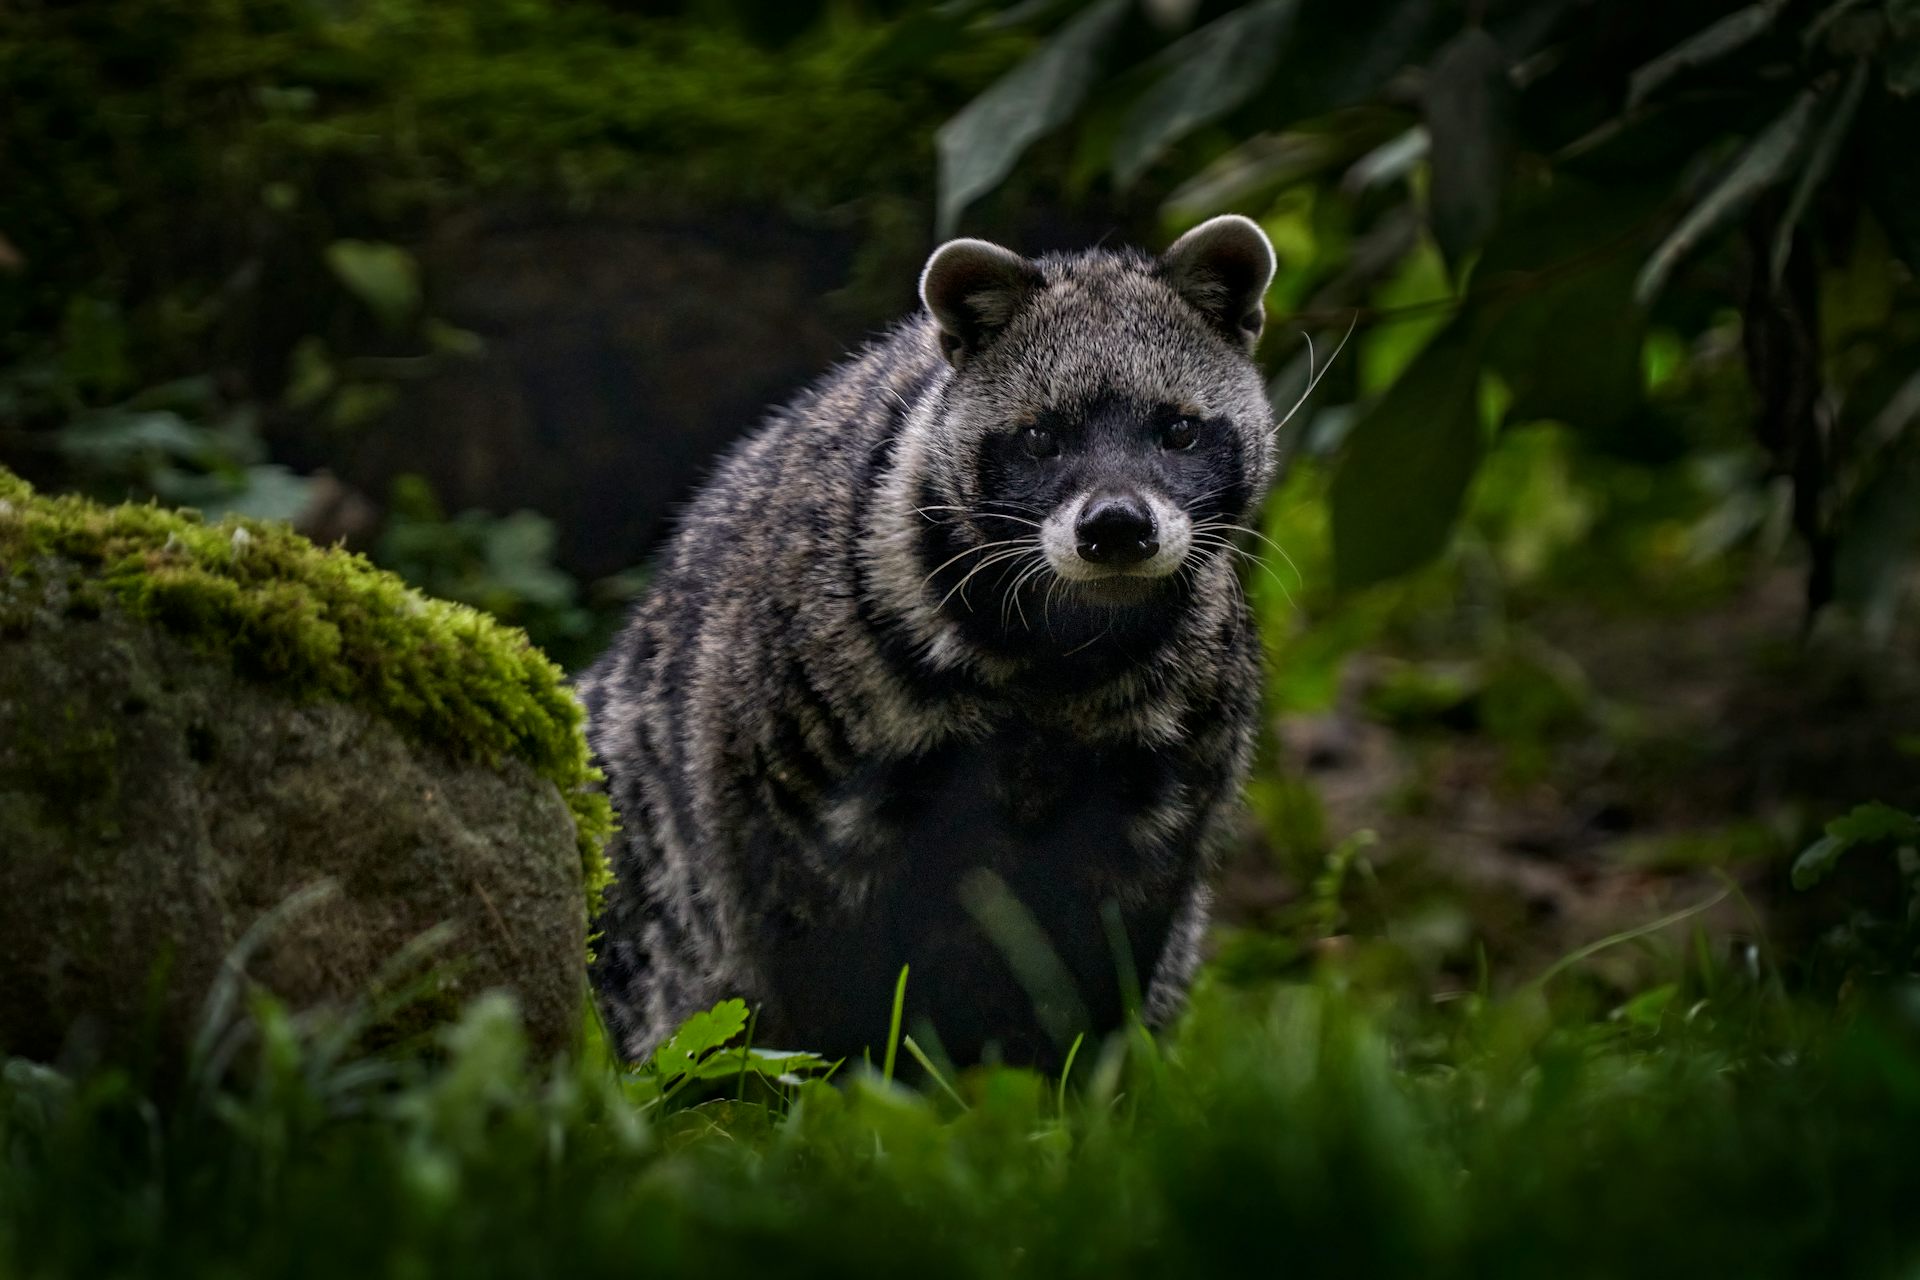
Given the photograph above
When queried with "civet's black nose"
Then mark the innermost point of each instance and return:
(1116, 529)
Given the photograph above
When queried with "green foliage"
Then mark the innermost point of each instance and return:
(1877, 941)
(383, 276)
(1688, 1132)
(1675, 165)
(1408, 463)
(317, 624)
(501, 564)
(1869, 824)
(979, 146)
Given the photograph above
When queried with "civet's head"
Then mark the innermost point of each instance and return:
(1104, 427)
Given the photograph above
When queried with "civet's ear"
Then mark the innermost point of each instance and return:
(1223, 267)
(973, 289)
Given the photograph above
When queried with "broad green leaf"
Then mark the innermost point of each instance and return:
(112, 439)
(519, 553)
(1468, 104)
(267, 491)
(977, 148)
(1700, 49)
(1868, 824)
(1562, 264)
(699, 1036)
(1208, 74)
(1649, 1007)
(383, 276)
(1833, 132)
(1419, 287)
(1404, 475)
(1765, 162)
(1571, 351)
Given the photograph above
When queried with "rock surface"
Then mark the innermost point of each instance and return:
(160, 797)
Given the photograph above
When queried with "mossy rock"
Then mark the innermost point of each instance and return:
(198, 721)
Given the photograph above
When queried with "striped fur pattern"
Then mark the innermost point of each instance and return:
(875, 710)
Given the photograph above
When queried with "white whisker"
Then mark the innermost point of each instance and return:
(1313, 379)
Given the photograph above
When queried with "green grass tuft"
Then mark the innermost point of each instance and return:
(1295, 1129)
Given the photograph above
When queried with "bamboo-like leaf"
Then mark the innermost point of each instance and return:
(978, 147)
(1819, 162)
(1468, 106)
(1700, 49)
(1208, 74)
(1762, 165)
(1255, 170)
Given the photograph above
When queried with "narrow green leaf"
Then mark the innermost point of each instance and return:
(978, 147)
(1468, 104)
(893, 1024)
(1390, 162)
(1700, 49)
(1407, 464)
(1649, 1007)
(1819, 162)
(1208, 74)
(1762, 165)
(1817, 861)
(1253, 173)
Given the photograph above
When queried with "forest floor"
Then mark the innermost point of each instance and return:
(1676, 758)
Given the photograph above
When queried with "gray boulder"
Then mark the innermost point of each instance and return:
(198, 723)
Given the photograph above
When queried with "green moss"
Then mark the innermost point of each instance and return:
(316, 623)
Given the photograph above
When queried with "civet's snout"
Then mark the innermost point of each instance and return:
(1116, 530)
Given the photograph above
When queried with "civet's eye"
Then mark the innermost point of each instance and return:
(1180, 434)
(1039, 442)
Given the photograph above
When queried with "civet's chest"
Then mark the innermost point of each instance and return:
(1027, 857)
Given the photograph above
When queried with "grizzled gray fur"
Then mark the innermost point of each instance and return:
(948, 666)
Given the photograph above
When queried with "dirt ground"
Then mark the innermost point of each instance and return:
(1706, 750)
